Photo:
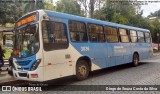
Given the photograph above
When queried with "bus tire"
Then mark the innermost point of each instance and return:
(82, 70)
(135, 59)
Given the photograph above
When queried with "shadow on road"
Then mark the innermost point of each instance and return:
(56, 83)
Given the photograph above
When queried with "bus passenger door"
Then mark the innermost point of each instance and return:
(56, 54)
(110, 56)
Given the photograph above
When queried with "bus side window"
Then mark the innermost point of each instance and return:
(147, 37)
(111, 34)
(96, 33)
(77, 37)
(140, 36)
(123, 35)
(133, 36)
(77, 31)
(73, 36)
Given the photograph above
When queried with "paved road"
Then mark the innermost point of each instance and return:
(147, 73)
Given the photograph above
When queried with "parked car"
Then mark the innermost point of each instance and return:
(155, 46)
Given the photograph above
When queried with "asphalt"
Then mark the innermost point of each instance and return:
(6, 78)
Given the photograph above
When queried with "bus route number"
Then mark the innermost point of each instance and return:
(85, 48)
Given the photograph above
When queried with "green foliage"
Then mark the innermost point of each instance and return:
(155, 28)
(1, 37)
(7, 52)
(99, 9)
(30, 6)
(155, 14)
(9, 13)
(68, 6)
(49, 6)
(9, 25)
(117, 18)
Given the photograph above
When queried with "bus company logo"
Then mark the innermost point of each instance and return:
(13, 88)
(6, 88)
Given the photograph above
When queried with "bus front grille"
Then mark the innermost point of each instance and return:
(22, 74)
(23, 63)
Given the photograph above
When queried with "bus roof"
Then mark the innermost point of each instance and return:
(89, 20)
(85, 19)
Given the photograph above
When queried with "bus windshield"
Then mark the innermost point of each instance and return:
(26, 41)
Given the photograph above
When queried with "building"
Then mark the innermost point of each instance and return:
(4, 30)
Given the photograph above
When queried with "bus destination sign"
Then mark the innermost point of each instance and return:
(25, 20)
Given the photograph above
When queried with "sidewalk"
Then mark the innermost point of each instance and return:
(4, 76)
(156, 53)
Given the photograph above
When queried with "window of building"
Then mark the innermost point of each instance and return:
(77, 31)
(133, 35)
(96, 33)
(123, 35)
(111, 34)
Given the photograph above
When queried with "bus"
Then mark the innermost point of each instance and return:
(50, 45)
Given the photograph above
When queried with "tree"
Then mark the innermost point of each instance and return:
(117, 18)
(84, 6)
(32, 6)
(90, 7)
(68, 6)
(155, 28)
(49, 6)
(155, 14)
(9, 13)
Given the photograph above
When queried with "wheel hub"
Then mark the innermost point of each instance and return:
(82, 70)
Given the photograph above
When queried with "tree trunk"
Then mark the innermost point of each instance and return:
(92, 2)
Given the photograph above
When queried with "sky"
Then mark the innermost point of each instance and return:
(147, 9)
(151, 7)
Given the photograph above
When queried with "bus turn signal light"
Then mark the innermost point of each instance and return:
(34, 75)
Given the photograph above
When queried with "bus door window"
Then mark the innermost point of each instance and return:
(54, 35)
(46, 26)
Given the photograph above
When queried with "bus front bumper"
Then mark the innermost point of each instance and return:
(36, 75)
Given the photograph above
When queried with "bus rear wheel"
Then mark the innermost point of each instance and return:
(82, 70)
(135, 60)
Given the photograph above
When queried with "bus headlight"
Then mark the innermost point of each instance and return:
(35, 65)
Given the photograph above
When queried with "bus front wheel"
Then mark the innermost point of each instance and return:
(82, 70)
(135, 59)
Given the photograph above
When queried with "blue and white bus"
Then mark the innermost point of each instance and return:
(50, 45)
